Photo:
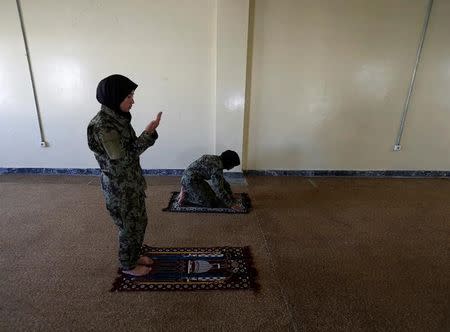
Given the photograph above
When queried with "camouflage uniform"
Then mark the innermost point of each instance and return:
(117, 149)
(198, 191)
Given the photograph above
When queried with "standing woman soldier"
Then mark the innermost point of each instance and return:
(117, 149)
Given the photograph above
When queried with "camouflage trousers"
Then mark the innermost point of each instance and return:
(198, 192)
(130, 216)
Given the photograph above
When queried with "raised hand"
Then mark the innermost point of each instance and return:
(151, 127)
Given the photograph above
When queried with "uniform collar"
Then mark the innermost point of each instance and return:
(122, 117)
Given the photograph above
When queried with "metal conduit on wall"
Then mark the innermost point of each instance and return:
(30, 68)
(397, 146)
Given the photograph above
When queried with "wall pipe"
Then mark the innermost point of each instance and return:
(30, 68)
(397, 146)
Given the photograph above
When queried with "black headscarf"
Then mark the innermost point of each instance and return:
(230, 159)
(112, 90)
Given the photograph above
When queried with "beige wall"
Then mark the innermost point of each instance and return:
(325, 80)
(329, 79)
(427, 135)
(232, 28)
(19, 130)
(165, 46)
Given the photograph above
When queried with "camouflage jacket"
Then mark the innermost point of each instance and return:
(210, 167)
(117, 149)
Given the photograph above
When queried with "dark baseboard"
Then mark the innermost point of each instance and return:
(348, 173)
(237, 175)
(96, 172)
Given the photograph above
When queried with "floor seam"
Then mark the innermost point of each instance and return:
(283, 294)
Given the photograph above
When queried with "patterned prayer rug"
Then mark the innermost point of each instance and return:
(193, 269)
(243, 201)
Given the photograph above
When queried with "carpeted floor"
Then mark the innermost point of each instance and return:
(332, 254)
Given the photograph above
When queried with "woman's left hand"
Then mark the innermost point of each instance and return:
(151, 127)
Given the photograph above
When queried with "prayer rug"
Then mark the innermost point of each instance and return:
(243, 200)
(193, 269)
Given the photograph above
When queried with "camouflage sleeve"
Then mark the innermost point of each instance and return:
(222, 188)
(112, 144)
(143, 142)
(227, 187)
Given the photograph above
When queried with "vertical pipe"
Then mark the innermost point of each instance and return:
(30, 68)
(397, 145)
(248, 84)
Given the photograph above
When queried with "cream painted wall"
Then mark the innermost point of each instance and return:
(165, 46)
(19, 131)
(427, 135)
(232, 29)
(329, 79)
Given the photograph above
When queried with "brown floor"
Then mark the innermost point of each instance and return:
(333, 254)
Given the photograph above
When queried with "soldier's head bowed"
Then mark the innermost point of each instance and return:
(230, 159)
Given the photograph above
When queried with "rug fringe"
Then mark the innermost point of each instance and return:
(246, 252)
(116, 284)
(253, 273)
